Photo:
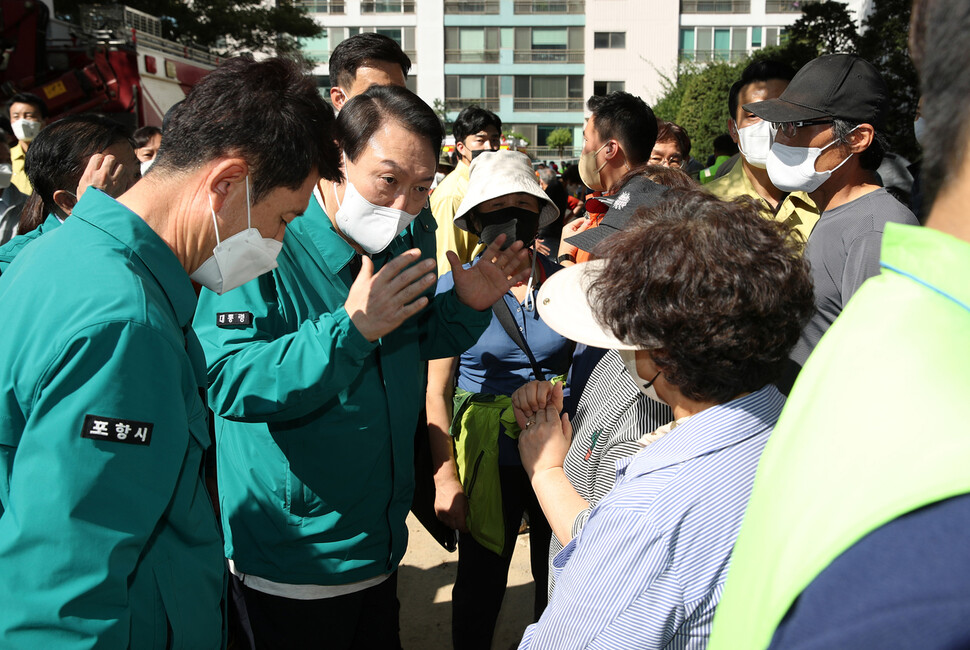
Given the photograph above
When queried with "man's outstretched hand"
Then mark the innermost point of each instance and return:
(484, 283)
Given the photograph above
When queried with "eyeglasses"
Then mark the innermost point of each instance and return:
(791, 128)
(670, 161)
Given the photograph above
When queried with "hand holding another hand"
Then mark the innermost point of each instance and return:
(544, 441)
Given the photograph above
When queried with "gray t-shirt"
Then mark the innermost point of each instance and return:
(843, 250)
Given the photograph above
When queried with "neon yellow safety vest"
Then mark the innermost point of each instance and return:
(875, 427)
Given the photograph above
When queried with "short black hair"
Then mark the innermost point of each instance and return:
(143, 135)
(628, 120)
(762, 70)
(717, 290)
(945, 86)
(28, 98)
(269, 112)
(363, 114)
(473, 119)
(59, 154)
(360, 49)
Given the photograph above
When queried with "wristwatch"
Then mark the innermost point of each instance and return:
(566, 257)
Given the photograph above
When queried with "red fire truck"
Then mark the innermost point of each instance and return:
(115, 62)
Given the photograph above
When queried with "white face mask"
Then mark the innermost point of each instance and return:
(919, 129)
(373, 227)
(792, 169)
(146, 165)
(754, 141)
(645, 385)
(26, 130)
(238, 259)
(6, 175)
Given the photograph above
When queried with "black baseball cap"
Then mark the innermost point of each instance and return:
(638, 192)
(841, 86)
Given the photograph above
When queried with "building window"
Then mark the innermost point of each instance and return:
(321, 6)
(549, 6)
(472, 44)
(548, 93)
(465, 90)
(706, 44)
(403, 36)
(316, 49)
(717, 6)
(549, 45)
(607, 87)
(609, 40)
(786, 6)
(472, 6)
(387, 7)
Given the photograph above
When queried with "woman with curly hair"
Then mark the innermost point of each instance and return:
(705, 299)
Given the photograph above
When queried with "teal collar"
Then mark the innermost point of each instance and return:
(106, 214)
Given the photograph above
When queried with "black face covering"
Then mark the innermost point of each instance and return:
(518, 224)
(476, 153)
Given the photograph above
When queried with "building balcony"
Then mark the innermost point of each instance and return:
(471, 56)
(710, 56)
(387, 7)
(458, 103)
(321, 6)
(544, 104)
(550, 7)
(786, 6)
(718, 6)
(549, 56)
(472, 6)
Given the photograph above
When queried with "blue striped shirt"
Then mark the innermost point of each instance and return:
(648, 568)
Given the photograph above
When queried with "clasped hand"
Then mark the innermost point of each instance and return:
(545, 437)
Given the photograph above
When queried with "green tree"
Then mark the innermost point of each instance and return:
(885, 43)
(515, 135)
(704, 106)
(824, 28)
(438, 106)
(560, 139)
(225, 26)
(669, 103)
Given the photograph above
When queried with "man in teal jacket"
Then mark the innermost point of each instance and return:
(107, 536)
(316, 381)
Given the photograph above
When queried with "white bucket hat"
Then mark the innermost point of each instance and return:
(497, 173)
(563, 304)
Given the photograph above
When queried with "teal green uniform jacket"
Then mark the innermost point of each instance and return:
(314, 424)
(107, 535)
(13, 247)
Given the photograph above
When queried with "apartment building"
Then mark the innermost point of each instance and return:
(534, 62)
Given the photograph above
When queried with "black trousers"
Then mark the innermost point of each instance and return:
(362, 620)
(483, 575)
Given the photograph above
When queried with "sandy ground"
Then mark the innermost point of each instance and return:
(426, 577)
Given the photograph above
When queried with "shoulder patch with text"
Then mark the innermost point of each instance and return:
(231, 319)
(129, 432)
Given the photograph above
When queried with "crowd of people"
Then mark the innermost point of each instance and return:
(697, 386)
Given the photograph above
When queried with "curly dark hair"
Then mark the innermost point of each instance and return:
(719, 291)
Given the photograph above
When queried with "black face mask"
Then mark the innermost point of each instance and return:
(518, 224)
(475, 153)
